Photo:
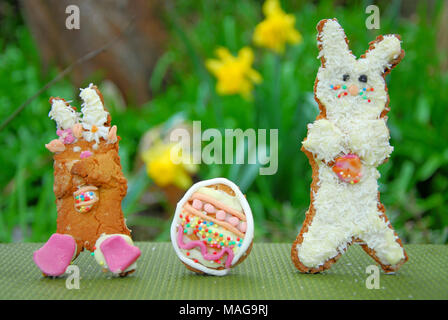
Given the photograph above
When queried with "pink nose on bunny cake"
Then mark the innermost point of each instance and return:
(119, 254)
(55, 256)
(353, 89)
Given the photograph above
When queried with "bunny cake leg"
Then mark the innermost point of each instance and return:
(346, 143)
(383, 244)
(336, 223)
(89, 184)
(56, 255)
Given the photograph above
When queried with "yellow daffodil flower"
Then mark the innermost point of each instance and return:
(164, 170)
(277, 29)
(234, 74)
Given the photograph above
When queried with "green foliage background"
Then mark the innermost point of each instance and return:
(414, 182)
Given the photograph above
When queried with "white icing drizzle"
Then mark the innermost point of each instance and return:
(65, 116)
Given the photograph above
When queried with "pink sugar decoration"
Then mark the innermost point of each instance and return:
(85, 154)
(66, 136)
(119, 254)
(205, 254)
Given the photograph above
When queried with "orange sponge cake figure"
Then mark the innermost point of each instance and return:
(89, 186)
(346, 143)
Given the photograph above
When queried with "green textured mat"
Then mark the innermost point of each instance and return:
(267, 273)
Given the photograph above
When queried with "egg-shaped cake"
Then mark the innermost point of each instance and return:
(212, 229)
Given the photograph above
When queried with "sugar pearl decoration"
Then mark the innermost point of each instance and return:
(221, 215)
(197, 204)
(209, 208)
(243, 226)
(234, 221)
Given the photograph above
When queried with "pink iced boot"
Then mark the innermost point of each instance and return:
(56, 254)
(119, 254)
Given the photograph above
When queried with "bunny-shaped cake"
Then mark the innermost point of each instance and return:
(89, 186)
(346, 143)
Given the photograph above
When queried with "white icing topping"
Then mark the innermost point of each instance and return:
(65, 116)
(94, 116)
(92, 108)
(89, 135)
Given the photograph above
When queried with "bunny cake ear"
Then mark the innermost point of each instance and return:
(96, 120)
(93, 108)
(333, 44)
(385, 52)
(64, 114)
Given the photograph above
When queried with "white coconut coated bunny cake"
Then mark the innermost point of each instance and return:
(345, 144)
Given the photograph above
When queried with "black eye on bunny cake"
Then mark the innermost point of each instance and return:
(346, 77)
(362, 78)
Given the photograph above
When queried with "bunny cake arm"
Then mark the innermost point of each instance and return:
(324, 140)
(101, 169)
(370, 141)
